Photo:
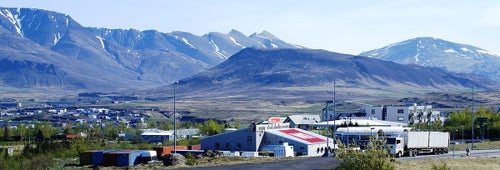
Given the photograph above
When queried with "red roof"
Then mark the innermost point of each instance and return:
(301, 135)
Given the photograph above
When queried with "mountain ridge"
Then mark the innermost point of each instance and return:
(304, 73)
(110, 59)
(434, 52)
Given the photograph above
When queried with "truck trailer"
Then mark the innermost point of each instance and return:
(413, 143)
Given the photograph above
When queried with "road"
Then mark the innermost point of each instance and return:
(457, 154)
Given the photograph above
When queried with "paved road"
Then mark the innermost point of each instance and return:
(458, 154)
(332, 163)
(307, 163)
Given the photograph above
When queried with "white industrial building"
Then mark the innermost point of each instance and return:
(257, 137)
(302, 121)
(155, 135)
(408, 114)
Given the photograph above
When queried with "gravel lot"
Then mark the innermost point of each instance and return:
(306, 163)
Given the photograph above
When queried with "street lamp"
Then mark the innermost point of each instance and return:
(334, 112)
(175, 124)
(472, 119)
(327, 118)
(462, 133)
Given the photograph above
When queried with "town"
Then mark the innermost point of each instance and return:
(297, 135)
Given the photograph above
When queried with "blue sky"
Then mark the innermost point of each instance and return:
(346, 26)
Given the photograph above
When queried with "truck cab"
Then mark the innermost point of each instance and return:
(396, 146)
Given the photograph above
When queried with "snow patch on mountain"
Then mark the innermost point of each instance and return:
(13, 18)
(102, 41)
(273, 45)
(236, 42)
(217, 50)
(187, 42)
(487, 52)
(449, 50)
(57, 37)
(466, 50)
(373, 54)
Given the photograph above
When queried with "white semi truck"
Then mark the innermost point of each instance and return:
(414, 143)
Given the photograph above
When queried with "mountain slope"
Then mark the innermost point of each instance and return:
(102, 59)
(309, 75)
(432, 52)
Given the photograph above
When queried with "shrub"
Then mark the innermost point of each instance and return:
(374, 157)
(191, 159)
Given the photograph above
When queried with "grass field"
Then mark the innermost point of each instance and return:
(478, 146)
(451, 163)
(486, 163)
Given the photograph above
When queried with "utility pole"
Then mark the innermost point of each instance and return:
(175, 124)
(472, 119)
(334, 112)
(327, 118)
(462, 133)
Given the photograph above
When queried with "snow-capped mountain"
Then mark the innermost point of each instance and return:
(433, 52)
(52, 49)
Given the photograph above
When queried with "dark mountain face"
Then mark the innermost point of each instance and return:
(433, 52)
(311, 73)
(83, 58)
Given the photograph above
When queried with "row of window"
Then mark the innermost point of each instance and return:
(228, 145)
(400, 111)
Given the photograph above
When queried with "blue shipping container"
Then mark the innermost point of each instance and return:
(98, 157)
(127, 158)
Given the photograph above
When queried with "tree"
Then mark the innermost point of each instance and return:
(374, 157)
(211, 127)
(21, 131)
(110, 131)
(6, 133)
(39, 136)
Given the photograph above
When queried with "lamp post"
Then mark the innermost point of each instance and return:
(175, 124)
(334, 112)
(327, 118)
(462, 133)
(472, 120)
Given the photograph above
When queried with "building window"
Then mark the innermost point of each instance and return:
(400, 111)
(228, 145)
(302, 148)
(401, 118)
(238, 145)
(217, 145)
(373, 111)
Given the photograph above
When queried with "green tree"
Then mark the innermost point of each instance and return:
(6, 132)
(462, 120)
(211, 127)
(46, 129)
(110, 131)
(374, 157)
(21, 131)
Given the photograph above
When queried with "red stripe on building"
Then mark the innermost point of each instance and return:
(301, 135)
